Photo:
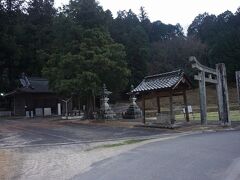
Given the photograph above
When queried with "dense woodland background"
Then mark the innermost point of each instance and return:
(80, 46)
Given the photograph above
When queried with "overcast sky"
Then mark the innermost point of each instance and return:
(169, 11)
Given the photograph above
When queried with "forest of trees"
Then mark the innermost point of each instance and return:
(80, 46)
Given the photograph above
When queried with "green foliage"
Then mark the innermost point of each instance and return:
(88, 13)
(25, 36)
(97, 60)
(222, 36)
(81, 46)
(138, 34)
(11, 51)
(174, 54)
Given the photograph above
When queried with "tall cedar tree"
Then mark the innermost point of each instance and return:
(88, 56)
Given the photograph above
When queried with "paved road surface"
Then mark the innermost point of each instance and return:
(21, 133)
(210, 156)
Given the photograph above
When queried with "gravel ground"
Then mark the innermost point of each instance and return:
(43, 149)
(10, 164)
(50, 149)
(59, 162)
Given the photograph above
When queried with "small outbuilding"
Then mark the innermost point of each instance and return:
(169, 84)
(32, 98)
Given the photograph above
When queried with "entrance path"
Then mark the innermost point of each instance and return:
(39, 132)
(208, 156)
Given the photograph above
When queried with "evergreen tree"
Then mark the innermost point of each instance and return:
(38, 34)
(88, 13)
(11, 17)
(96, 60)
(221, 34)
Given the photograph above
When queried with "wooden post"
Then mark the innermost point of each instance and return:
(171, 107)
(238, 85)
(218, 101)
(158, 104)
(94, 103)
(223, 94)
(14, 105)
(203, 100)
(216, 76)
(79, 106)
(94, 100)
(186, 106)
(143, 106)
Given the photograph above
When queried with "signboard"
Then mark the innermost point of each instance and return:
(189, 110)
(47, 111)
(238, 85)
(38, 111)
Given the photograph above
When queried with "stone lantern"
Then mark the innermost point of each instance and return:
(133, 111)
(105, 109)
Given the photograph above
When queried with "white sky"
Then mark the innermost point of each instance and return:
(168, 11)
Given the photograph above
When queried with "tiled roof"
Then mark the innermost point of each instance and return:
(37, 85)
(33, 85)
(160, 81)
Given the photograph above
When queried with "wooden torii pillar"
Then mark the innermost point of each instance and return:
(158, 105)
(143, 111)
(216, 76)
(186, 105)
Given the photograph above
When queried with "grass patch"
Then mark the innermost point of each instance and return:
(133, 141)
(234, 115)
(127, 142)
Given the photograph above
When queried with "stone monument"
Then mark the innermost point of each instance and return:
(105, 110)
(133, 111)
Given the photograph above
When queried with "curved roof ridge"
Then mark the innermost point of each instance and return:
(161, 81)
(164, 74)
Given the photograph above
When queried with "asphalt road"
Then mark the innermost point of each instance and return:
(208, 156)
(37, 132)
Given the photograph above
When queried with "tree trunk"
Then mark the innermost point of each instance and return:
(90, 108)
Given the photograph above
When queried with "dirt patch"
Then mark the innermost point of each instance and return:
(22, 124)
(8, 164)
(113, 123)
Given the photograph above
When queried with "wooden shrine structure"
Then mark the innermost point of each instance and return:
(215, 76)
(168, 84)
(32, 96)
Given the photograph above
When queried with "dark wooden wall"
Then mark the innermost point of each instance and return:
(32, 101)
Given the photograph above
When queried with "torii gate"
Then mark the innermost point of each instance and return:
(216, 76)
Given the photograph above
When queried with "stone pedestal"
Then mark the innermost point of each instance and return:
(165, 120)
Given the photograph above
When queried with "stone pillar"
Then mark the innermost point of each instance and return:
(59, 109)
